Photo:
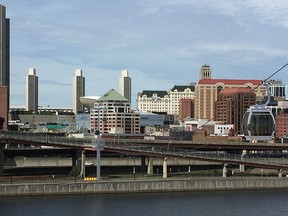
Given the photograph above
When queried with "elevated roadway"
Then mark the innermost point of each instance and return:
(173, 149)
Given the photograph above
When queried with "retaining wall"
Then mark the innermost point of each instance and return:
(142, 186)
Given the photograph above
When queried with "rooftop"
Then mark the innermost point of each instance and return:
(229, 81)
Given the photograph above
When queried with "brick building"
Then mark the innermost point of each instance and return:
(232, 104)
(282, 124)
(186, 108)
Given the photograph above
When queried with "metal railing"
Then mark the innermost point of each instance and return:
(122, 145)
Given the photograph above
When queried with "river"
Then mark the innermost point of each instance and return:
(232, 203)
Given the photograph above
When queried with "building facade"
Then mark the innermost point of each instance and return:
(205, 72)
(4, 66)
(231, 106)
(281, 122)
(125, 85)
(32, 91)
(207, 91)
(78, 91)
(277, 89)
(114, 114)
(186, 109)
(165, 101)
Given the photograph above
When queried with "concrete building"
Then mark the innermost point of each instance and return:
(125, 85)
(32, 91)
(165, 101)
(277, 89)
(78, 91)
(232, 104)
(4, 66)
(115, 115)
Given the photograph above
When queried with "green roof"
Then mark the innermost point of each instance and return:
(112, 95)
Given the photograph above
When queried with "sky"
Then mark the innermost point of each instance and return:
(161, 43)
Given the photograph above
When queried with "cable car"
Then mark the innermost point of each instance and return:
(258, 122)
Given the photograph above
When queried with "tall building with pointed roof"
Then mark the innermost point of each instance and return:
(4, 66)
(116, 116)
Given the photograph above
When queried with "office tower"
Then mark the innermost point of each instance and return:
(277, 89)
(78, 91)
(125, 85)
(231, 105)
(32, 91)
(205, 72)
(4, 65)
(207, 91)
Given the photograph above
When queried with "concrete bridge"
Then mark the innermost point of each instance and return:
(150, 149)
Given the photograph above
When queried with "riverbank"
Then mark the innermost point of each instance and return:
(138, 186)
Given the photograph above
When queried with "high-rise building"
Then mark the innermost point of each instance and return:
(32, 91)
(232, 104)
(205, 72)
(78, 91)
(4, 65)
(116, 116)
(207, 91)
(125, 85)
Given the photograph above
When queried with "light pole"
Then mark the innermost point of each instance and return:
(98, 145)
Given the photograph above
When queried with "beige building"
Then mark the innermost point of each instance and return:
(115, 115)
(207, 91)
(165, 101)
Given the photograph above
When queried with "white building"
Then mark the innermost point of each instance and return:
(125, 85)
(164, 101)
(78, 91)
(32, 91)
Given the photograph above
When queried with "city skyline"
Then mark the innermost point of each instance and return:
(161, 43)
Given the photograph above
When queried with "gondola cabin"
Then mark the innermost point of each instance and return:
(258, 124)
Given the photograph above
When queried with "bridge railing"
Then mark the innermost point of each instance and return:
(123, 144)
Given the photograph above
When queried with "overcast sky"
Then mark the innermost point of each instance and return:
(161, 43)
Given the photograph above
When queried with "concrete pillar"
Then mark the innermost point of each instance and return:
(150, 166)
(83, 160)
(225, 170)
(165, 167)
(241, 166)
(76, 163)
(280, 173)
(143, 164)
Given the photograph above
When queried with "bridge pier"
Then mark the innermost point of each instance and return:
(165, 167)
(83, 160)
(143, 164)
(241, 166)
(76, 163)
(150, 166)
(225, 170)
(280, 173)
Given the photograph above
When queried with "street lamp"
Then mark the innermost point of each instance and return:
(99, 147)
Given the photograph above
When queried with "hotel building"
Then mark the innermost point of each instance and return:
(115, 115)
(207, 90)
(165, 101)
